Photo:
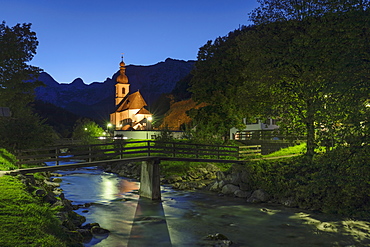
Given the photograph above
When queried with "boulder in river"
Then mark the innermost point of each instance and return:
(259, 196)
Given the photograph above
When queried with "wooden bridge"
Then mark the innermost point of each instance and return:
(150, 153)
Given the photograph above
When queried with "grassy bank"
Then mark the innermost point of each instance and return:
(335, 182)
(24, 219)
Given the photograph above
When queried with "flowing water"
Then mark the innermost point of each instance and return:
(185, 218)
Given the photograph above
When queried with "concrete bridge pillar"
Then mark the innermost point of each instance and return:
(150, 186)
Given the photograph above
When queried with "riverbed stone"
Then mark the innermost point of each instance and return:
(214, 186)
(217, 239)
(174, 178)
(229, 189)
(56, 180)
(289, 202)
(242, 193)
(97, 230)
(259, 196)
(220, 175)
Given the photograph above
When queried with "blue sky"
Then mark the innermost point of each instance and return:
(85, 39)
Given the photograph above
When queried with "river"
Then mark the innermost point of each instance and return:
(185, 218)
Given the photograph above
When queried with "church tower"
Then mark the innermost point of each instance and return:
(122, 86)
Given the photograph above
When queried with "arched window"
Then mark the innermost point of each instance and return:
(123, 91)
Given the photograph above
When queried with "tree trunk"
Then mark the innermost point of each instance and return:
(310, 126)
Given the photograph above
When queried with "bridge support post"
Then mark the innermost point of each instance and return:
(150, 186)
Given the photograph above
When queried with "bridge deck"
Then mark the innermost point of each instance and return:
(105, 162)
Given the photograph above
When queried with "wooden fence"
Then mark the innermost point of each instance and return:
(128, 149)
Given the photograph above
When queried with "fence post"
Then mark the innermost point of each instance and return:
(90, 153)
(57, 156)
(238, 157)
(120, 151)
(218, 152)
(19, 153)
(148, 148)
(173, 150)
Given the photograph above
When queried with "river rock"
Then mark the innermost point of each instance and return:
(220, 175)
(56, 180)
(289, 202)
(259, 196)
(51, 184)
(217, 239)
(173, 179)
(242, 193)
(215, 186)
(97, 230)
(86, 234)
(40, 192)
(229, 189)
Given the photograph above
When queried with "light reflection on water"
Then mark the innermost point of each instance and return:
(190, 216)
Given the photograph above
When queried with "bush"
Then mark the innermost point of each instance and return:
(335, 182)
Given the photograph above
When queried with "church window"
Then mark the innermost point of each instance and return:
(123, 91)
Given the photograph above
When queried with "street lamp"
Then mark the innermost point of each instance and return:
(109, 125)
(149, 127)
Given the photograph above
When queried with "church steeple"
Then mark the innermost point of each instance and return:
(122, 78)
(122, 86)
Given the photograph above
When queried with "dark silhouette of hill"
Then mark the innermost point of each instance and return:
(60, 119)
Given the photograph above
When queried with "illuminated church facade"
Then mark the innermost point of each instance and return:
(131, 112)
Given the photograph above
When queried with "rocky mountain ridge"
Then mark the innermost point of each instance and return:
(96, 100)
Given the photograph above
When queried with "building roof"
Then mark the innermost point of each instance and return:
(143, 111)
(132, 101)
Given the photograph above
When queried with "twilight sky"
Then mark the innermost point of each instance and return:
(85, 39)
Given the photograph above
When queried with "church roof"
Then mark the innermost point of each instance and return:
(143, 111)
(132, 101)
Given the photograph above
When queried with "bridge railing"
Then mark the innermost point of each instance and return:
(128, 149)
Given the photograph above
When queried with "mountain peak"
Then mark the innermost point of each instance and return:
(78, 82)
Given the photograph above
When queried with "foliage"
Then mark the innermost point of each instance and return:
(218, 80)
(7, 160)
(25, 132)
(165, 135)
(292, 65)
(285, 10)
(335, 182)
(180, 91)
(18, 46)
(17, 83)
(87, 131)
(25, 221)
(60, 119)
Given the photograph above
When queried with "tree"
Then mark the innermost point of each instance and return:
(316, 62)
(219, 82)
(17, 78)
(306, 62)
(87, 131)
(17, 83)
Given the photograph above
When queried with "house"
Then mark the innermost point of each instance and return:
(253, 130)
(131, 112)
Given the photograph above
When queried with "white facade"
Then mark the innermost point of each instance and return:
(259, 125)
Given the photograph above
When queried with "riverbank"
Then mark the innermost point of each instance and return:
(336, 182)
(34, 211)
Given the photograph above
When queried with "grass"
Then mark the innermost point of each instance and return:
(24, 219)
(7, 160)
(297, 149)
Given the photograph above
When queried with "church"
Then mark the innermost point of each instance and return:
(130, 113)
